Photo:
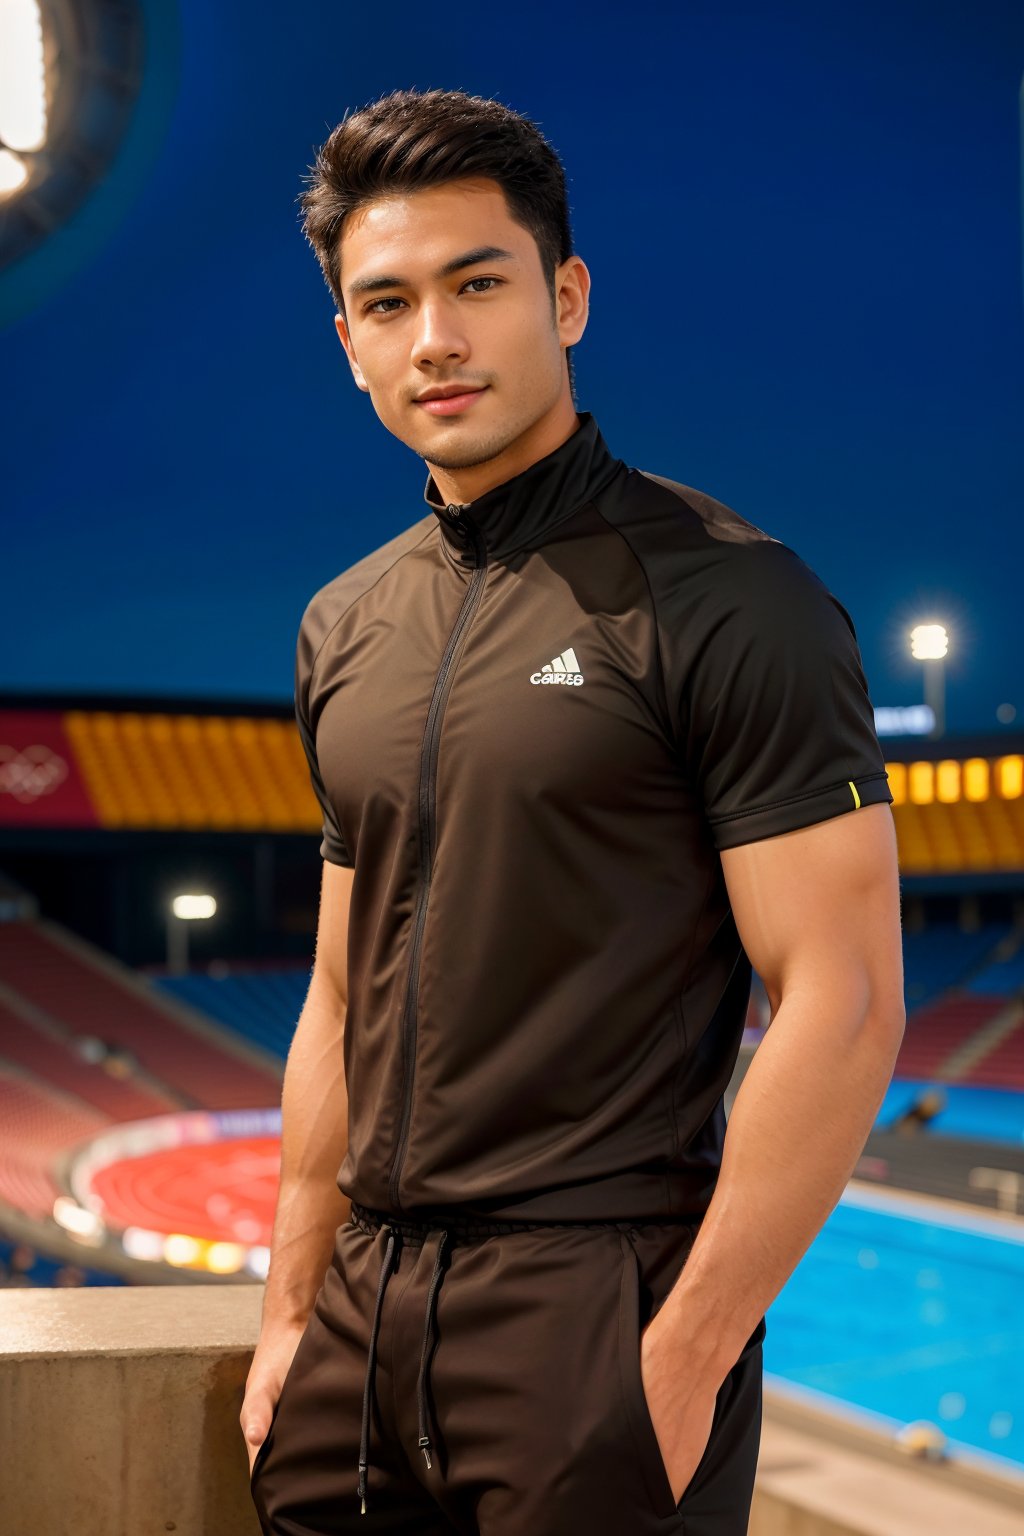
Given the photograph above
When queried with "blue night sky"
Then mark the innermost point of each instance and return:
(803, 225)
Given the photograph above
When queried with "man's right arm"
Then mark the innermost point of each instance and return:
(314, 1140)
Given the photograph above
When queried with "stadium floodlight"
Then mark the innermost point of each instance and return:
(187, 907)
(193, 907)
(88, 89)
(23, 116)
(929, 643)
(12, 172)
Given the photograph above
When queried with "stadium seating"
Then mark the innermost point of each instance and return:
(64, 1061)
(86, 1044)
(1001, 977)
(83, 992)
(261, 1005)
(21, 1267)
(942, 956)
(1003, 1065)
(38, 1123)
(935, 1032)
(966, 1030)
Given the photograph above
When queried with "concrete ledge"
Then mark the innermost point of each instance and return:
(808, 1486)
(984, 1478)
(119, 1415)
(119, 1410)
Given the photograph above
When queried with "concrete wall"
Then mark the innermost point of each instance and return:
(119, 1416)
(119, 1410)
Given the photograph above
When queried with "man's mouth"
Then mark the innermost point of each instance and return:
(449, 405)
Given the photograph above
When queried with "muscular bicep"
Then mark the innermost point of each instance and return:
(330, 965)
(820, 907)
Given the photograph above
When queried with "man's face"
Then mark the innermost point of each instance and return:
(489, 325)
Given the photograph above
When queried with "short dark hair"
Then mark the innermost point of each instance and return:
(409, 140)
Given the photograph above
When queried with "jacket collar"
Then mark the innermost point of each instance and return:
(518, 513)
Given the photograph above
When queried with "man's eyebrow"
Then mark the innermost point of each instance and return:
(467, 259)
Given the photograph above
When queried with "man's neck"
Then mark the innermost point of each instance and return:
(463, 486)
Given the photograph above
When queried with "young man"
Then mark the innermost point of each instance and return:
(588, 745)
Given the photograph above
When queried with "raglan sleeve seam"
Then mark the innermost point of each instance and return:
(357, 599)
(658, 647)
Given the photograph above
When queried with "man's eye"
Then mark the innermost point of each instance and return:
(372, 309)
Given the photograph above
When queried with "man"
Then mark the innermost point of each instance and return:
(589, 745)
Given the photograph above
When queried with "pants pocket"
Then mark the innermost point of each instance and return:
(722, 1487)
(263, 1445)
(638, 1414)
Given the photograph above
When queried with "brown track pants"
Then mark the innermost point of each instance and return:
(506, 1401)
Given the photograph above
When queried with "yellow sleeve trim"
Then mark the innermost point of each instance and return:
(856, 797)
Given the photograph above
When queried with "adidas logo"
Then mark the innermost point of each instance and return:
(563, 669)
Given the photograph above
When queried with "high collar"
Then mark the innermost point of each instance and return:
(517, 513)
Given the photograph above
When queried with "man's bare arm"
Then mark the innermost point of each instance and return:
(314, 1120)
(818, 912)
(314, 1139)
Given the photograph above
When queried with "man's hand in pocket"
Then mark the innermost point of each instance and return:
(680, 1402)
(270, 1365)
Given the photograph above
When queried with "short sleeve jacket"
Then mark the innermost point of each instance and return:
(533, 721)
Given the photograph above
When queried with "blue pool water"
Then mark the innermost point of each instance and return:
(980, 1114)
(893, 1313)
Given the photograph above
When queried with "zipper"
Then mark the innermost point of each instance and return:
(427, 820)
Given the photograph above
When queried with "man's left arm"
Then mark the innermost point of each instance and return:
(818, 913)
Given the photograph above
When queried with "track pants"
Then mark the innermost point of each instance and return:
(483, 1379)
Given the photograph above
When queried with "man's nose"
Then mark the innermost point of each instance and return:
(439, 337)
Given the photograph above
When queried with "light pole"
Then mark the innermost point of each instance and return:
(929, 644)
(187, 908)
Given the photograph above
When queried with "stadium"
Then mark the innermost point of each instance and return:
(188, 483)
(141, 1098)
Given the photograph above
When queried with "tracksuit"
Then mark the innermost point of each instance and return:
(533, 721)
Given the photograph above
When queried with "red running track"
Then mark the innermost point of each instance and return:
(223, 1191)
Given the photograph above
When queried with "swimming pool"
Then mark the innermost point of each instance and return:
(903, 1312)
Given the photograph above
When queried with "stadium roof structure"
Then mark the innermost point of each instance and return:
(142, 765)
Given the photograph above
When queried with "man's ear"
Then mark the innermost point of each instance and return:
(343, 336)
(572, 280)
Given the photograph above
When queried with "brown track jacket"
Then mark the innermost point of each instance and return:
(532, 722)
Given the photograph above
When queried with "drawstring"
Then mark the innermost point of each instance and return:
(421, 1386)
(386, 1271)
(364, 1441)
(456, 1226)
